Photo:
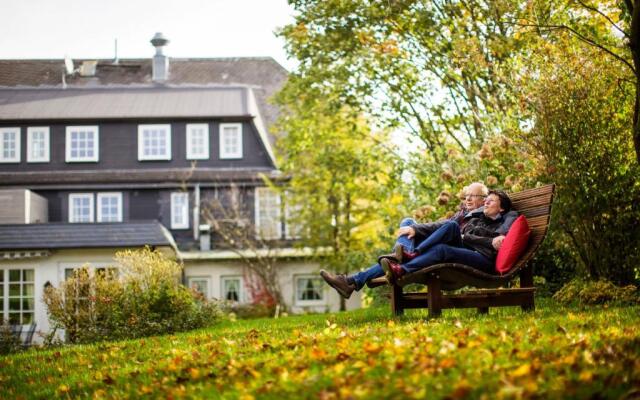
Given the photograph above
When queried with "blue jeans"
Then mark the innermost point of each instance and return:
(443, 245)
(375, 271)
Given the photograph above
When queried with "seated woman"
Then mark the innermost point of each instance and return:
(477, 246)
(484, 230)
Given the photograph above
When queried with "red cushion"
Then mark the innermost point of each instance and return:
(513, 245)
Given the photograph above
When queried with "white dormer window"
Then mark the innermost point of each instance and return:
(230, 141)
(154, 142)
(197, 141)
(110, 207)
(82, 144)
(9, 145)
(38, 144)
(179, 210)
(81, 207)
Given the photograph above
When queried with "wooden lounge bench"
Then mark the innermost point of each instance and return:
(492, 290)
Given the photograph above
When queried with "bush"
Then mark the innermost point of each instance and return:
(9, 343)
(248, 311)
(597, 292)
(146, 298)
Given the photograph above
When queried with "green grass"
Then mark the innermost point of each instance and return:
(554, 352)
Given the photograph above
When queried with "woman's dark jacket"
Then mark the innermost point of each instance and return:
(479, 232)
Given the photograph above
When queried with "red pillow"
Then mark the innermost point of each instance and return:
(513, 245)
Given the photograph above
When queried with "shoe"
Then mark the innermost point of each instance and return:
(339, 283)
(392, 270)
(399, 255)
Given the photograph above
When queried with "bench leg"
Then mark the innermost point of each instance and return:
(483, 310)
(434, 296)
(528, 304)
(526, 281)
(397, 308)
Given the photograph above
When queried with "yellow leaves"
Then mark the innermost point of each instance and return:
(372, 348)
(318, 353)
(447, 363)
(523, 370)
(63, 389)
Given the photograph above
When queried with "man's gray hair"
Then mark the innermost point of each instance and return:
(484, 190)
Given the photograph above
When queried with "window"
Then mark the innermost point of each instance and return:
(9, 145)
(200, 285)
(197, 141)
(232, 288)
(230, 141)
(179, 210)
(17, 297)
(154, 142)
(82, 144)
(38, 144)
(81, 207)
(268, 214)
(309, 289)
(109, 207)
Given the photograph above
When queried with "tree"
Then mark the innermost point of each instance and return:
(434, 68)
(343, 178)
(611, 27)
(580, 114)
(230, 220)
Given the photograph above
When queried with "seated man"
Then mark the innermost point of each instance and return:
(477, 246)
(410, 234)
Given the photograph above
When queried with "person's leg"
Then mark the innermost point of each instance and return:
(362, 277)
(448, 233)
(442, 253)
(404, 240)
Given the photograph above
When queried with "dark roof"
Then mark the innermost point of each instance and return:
(68, 236)
(176, 176)
(263, 74)
(125, 103)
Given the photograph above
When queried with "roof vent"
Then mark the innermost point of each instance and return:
(160, 61)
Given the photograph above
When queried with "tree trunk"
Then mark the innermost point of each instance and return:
(634, 46)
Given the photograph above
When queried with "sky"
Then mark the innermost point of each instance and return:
(35, 29)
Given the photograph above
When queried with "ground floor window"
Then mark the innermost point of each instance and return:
(199, 284)
(232, 288)
(17, 296)
(309, 289)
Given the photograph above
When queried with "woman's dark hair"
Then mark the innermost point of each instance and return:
(505, 201)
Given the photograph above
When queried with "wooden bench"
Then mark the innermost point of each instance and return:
(493, 290)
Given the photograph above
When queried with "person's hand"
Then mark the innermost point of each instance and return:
(407, 230)
(497, 242)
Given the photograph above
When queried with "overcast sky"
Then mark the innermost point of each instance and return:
(195, 28)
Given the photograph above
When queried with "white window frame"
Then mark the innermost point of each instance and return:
(89, 196)
(191, 153)
(31, 131)
(103, 195)
(206, 279)
(321, 288)
(259, 196)
(96, 142)
(16, 158)
(184, 210)
(167, 138)
(241, 290)
(5, 294)
(224, 155)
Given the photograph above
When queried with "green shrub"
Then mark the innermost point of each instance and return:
(597, 292)
(9, 343)
(145, 298)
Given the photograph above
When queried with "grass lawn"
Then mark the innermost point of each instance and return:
(554, 352)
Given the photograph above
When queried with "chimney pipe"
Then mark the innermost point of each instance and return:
(160, 61)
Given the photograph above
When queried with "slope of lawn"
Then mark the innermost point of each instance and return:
(554, 352)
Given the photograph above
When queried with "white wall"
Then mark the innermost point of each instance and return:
(288, 271)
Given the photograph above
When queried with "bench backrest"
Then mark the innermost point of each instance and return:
(535, 204)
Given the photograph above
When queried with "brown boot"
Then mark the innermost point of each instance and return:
(339, 283)
(392, 270)
(397, 255)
